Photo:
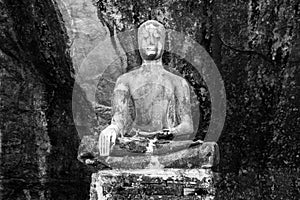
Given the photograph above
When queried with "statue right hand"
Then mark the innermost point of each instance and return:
(106, 139)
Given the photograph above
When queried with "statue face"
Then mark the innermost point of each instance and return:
(151, 37)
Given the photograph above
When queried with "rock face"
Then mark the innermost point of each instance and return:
(38, 137)
(97, 61)
(84, 29)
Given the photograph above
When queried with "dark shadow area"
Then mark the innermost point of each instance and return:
(39, 138)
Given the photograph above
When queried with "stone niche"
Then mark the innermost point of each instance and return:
(187, 172)
(181, 169)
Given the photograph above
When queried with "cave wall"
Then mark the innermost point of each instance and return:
(38, 137)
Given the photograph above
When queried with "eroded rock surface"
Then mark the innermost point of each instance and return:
(153, 184)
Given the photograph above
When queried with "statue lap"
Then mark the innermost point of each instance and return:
(175, 154)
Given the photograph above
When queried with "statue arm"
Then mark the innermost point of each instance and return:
(120, 106)
(185, 126)
(118, 122)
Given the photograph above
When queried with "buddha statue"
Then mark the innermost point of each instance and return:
(161, 99)
(153, 142)
(160, 135)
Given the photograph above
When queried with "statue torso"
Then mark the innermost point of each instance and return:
(154, 99)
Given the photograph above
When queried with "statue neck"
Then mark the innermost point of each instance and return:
(152, 65)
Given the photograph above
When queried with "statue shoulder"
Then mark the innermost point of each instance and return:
(176, 79)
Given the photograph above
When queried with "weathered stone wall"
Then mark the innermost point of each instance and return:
(39, 140)
(95, 57)
(147, 184)
(25, 140)
(83, 28)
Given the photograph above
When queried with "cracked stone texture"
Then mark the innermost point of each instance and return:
(153, 184)
(39, 141)
(97, 61)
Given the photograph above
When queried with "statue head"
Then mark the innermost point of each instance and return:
(151, 39)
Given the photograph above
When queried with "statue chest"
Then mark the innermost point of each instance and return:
(152, 92)
(152, 101)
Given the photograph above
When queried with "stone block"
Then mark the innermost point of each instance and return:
(153, 184)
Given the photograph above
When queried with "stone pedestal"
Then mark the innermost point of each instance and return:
(186, 174)
(153, 184)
